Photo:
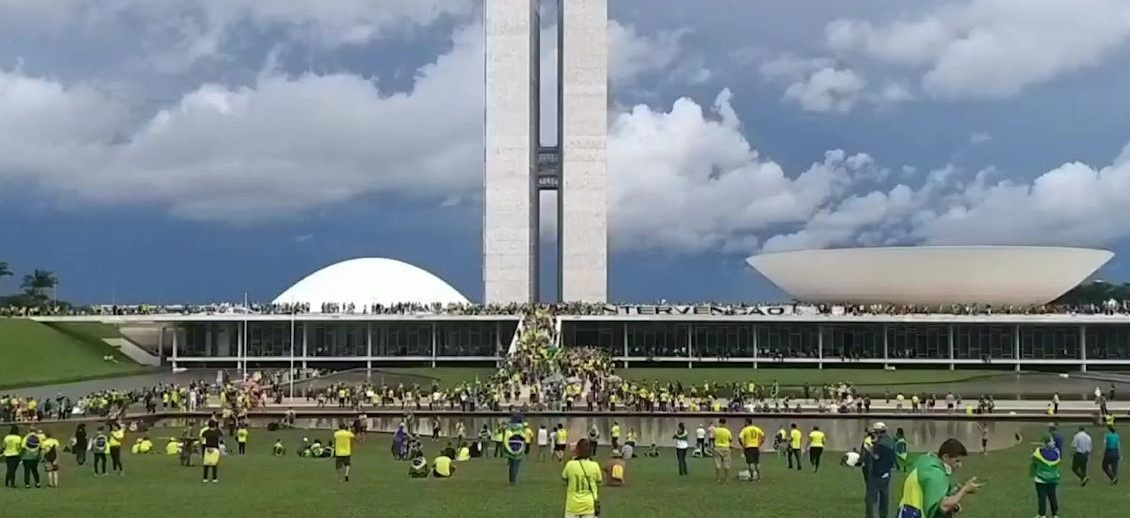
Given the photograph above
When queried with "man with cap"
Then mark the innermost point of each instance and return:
(882, 463)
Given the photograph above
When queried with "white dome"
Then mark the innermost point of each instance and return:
(997, 275)
(367, 281)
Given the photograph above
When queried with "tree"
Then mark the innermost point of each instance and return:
(4, 272)
(1097, 292)
(38, 282)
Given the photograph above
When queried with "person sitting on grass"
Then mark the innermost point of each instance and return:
(652, 451)
(616, 469)
(278, 450)
(464, 453)
(418, 467)
(173, 447)
(443, 466)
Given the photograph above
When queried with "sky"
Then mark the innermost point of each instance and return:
(196, 150)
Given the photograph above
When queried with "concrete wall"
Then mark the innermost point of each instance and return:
(583, 202)
(510, 209)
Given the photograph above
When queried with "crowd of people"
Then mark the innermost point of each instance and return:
(1109, 307)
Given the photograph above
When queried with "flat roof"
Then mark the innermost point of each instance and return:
(1048, 319)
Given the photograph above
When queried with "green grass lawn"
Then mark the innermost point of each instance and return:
(91, 329)
(35, 354)
(259, 485)
(797, 377)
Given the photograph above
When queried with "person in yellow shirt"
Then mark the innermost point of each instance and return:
(751, 437)
(443, 466)
(241, 438)
(723, 441)
(582, 478)
(117, 438)
(816, 439)
(51, 453)
(795, 443)
(343, 452)
(615, 435)
(13, 447)
(561, 442)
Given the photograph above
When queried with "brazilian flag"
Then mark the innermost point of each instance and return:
(514, 440)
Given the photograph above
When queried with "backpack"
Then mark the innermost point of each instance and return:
(100, 444)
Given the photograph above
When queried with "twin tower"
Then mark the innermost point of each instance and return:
(519, 167)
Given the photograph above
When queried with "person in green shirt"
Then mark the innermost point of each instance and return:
(902, 451)
(1045, 470)
(926, 492)
(13, 447)
(582, 477)
(241, 438)
(30, 457)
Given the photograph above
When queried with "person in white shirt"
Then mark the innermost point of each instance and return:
(543, 443)
(1082, 445)
(681, 446)
(700, 440)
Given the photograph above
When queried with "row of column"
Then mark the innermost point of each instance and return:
(886, 346)
(241, 345)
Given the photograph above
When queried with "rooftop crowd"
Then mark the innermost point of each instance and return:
(1110, 307)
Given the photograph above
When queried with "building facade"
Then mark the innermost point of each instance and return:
(759, 339)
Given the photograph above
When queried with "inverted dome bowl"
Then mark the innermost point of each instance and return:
(931, 275)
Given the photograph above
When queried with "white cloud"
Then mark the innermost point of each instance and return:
(992, 48)
(632, 55)
(273, 149)
(178, 33)
(980, 137)
(827, 90)
(894, 93)
(1074, 204)
(790, 67)
(686, 181)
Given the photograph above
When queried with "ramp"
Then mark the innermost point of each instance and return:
(133, 352)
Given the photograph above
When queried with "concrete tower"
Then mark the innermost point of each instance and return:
(518, 167)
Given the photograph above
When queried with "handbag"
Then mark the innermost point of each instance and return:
(595, 500)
